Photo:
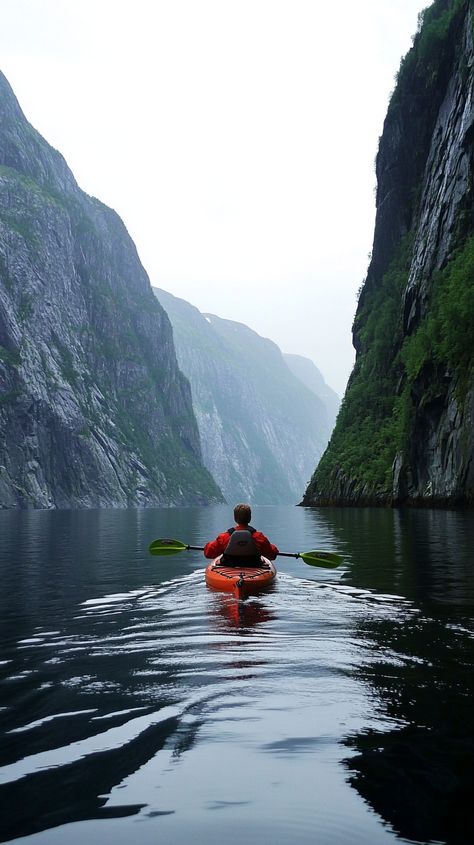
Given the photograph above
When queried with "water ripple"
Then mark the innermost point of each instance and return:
(182, 677)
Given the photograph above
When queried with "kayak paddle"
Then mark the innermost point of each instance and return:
(327, 560)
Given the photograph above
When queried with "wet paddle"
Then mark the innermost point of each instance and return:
(326, 560)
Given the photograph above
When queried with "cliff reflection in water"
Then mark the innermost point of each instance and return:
(420, 554)
(418, 775)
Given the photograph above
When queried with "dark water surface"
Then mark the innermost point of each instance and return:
(138, 706)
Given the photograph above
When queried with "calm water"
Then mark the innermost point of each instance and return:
(138, 706)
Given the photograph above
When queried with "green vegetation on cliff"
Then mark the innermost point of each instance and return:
(374, 420)
(446, 334)
(369, 425)
(404, 430)
(431, 47)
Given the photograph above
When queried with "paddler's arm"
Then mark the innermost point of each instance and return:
(216, 547)
(264, 546)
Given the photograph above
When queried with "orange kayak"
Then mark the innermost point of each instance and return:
(240, 580)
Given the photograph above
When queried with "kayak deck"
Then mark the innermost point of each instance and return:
(240, 580)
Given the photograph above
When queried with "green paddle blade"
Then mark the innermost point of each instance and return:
(166, 547)
(328, 560)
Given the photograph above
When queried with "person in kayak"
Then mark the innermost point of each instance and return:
(242, 545)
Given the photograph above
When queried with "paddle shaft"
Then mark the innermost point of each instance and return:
(280, 554)
(327, 560)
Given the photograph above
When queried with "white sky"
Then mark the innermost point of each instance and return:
(236, 139)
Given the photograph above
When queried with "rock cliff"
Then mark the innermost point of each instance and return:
(261, 428)
(405, 429)
(93, 408)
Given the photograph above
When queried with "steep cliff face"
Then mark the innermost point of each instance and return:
(93, 408)
(261, 428)
(405, 429)
(306, 371)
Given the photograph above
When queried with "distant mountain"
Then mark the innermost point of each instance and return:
(261, 428)
(307, 372)
(93, 408)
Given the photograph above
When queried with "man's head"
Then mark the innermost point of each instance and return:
(242, 514)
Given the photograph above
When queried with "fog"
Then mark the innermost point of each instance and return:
(235, 139)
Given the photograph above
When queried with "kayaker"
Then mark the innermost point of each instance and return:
(242, 544)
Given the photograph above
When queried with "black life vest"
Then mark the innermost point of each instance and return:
(241, 548)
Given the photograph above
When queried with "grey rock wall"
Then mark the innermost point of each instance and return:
(447, 181)
(439, 465)
(93, 408)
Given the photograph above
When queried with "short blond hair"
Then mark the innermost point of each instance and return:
(242, 514)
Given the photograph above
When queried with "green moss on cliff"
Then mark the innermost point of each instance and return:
(11, 357)
(446, 334)
(371, 420)
(43, 193)
(374, 422)
(431, 47)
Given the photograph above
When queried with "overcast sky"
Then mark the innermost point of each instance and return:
(235, 138)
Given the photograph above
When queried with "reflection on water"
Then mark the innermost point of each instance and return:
(425, 555)
(229, 614)
(419, 776)
(133, 695)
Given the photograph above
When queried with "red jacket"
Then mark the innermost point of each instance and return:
(218, 546)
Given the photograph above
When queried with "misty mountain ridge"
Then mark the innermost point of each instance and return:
(306, 371)
(261, 427)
